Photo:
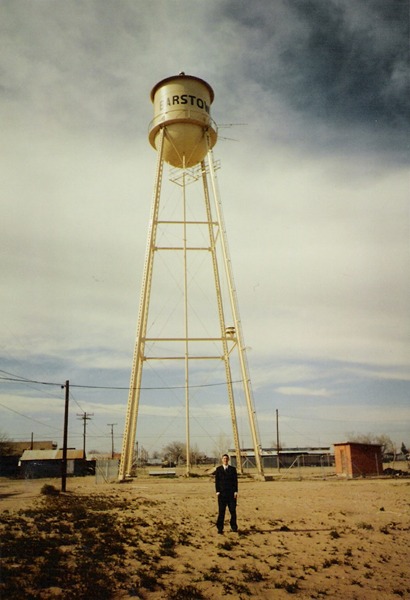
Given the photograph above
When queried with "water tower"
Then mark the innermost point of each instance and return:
(189, 326)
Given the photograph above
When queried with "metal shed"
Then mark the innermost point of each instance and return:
(36, 464)
(353, 459)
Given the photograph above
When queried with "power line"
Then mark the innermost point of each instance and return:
(18, 379)
(29, 418)
(21, 379)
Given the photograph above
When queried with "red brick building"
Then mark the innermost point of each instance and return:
(353, 459)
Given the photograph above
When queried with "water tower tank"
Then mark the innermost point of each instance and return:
(182, 105)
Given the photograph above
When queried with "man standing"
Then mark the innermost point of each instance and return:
(226, 485)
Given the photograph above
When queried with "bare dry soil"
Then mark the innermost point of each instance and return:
(156, 539)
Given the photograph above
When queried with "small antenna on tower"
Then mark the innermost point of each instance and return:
(226, 126)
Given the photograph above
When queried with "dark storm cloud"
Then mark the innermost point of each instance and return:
(337, 60)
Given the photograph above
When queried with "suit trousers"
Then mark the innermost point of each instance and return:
(226, 500)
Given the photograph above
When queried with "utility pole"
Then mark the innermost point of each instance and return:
(112, 437)
(85, 417)
(65, 437)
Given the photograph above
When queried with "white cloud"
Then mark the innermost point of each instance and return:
(301, 391)
(364, 416)
(398, 374)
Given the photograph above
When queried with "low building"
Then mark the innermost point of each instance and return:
(19, 447)
(353, 459)
(10, 453)
(285, 458)
(36, 464)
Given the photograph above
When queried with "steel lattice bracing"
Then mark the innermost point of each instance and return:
(185, 346)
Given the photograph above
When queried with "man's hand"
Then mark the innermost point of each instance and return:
(235, 495)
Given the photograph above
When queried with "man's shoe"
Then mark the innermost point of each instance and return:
(234, 530)
(220, 531)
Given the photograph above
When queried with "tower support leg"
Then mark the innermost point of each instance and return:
(127, 454)
(238, 325)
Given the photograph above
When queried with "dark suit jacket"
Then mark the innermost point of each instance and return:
(226, 481)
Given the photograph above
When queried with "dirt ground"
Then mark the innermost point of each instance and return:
(310, 538)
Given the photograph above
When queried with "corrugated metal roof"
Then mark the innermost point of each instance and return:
(50, 454)
(101, 456)
(39, 455)
(374, 445)
(248, 452)
(70, 453)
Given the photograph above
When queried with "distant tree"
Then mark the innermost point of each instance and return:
(403, 449)
(386, 443)
(222, 444)
(175, 452)
(144, 456)
(197, 456)
(281, 444)
(5, 444)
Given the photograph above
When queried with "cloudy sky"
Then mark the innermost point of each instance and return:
(315, 189)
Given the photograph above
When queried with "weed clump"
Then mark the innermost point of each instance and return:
(364, 525)
(186, 592)
(252, 574)
(49, 490)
